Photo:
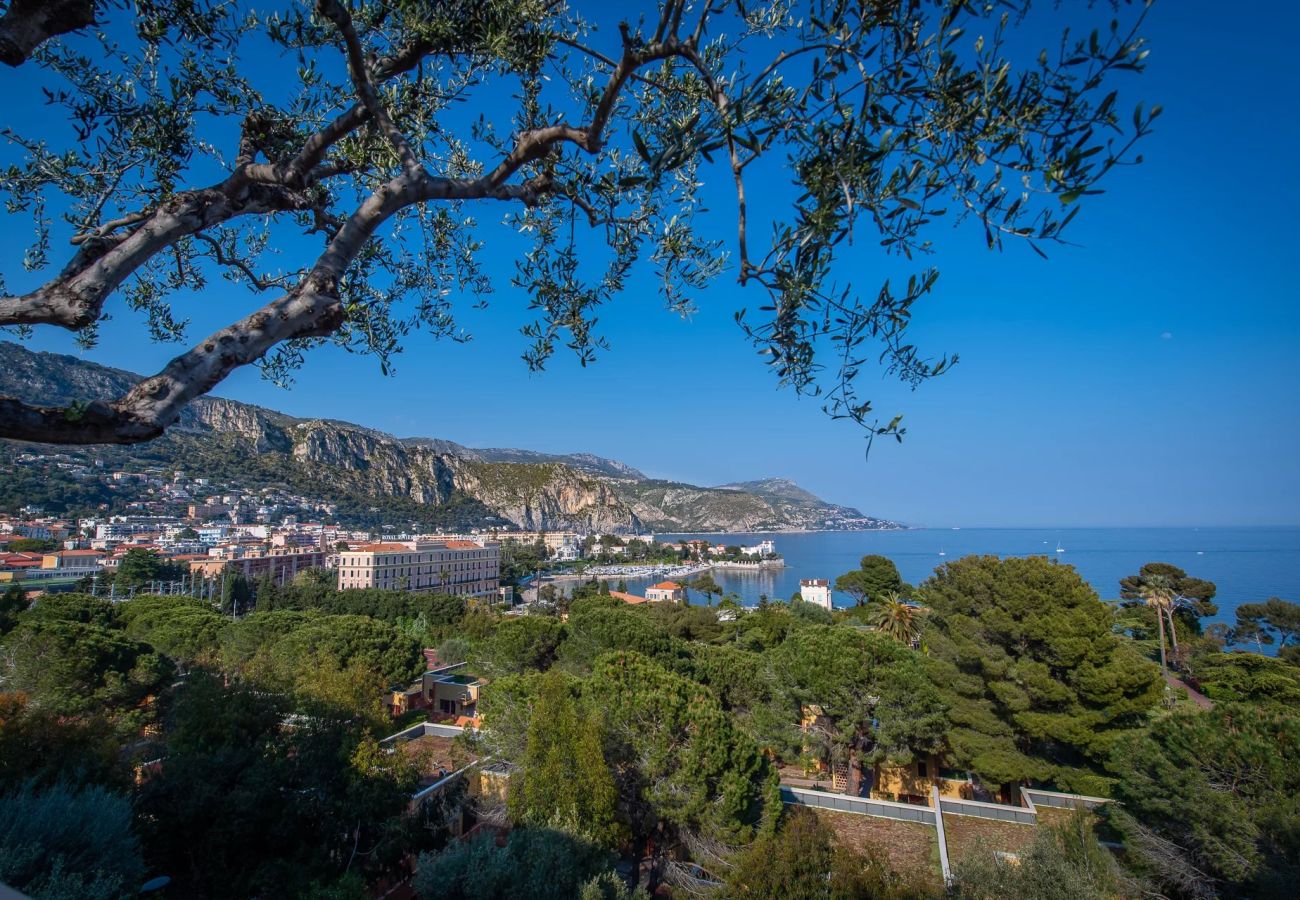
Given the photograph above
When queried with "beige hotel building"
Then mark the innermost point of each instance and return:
(461, 568)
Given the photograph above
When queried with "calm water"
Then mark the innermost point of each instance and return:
(1247, 564)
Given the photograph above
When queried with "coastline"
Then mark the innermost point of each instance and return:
(659, 534)
(662, 571)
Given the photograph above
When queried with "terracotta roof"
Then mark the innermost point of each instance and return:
(19, 561)
(627, 598)
(666, 586)
(463, 545)
(79, 553)
(381, 548)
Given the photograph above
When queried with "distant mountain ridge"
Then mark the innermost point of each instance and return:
(418, 478)
(583, 462)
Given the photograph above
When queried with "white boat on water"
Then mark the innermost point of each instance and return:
(1059, 548)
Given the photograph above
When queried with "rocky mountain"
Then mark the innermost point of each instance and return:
(791, 502)
(583, 462)
(373, 476)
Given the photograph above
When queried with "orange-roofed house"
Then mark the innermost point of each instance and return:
(13, 566)
(665, 592)
(627, 598)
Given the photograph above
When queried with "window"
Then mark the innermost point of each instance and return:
(921, 769)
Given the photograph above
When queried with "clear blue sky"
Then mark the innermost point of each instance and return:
(1147, 375)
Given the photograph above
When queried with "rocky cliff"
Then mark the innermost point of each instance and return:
(244, 445)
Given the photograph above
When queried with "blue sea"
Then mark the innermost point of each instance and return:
(1247, 564)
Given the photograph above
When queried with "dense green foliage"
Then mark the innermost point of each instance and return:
(874, 691)
(875, 578)
(1211, 800)
(31, 545)
(1274, 621)
(71, 668)
(275, 806)
(648, 732)
(564, 781)
(13, 601)
(139, 569)
(263, 753)
(48, 487)
(182, 628)
(534, 864)
(599, 625)
(696, 770)
(1247, 677)
(1065, 862)
(522, 643)
(68, 843)
(1193, 596)
(802, 861)
(72, 607)
(1039, 686)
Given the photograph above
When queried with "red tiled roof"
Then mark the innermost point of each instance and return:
(381, 548)
(463, 545)
(627, 598)
(666, 586)
(79, 553)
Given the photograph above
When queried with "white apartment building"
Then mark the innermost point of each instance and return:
(816, 591)
(458, 567)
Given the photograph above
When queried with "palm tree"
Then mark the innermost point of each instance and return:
(897, 618)
(1159, 594)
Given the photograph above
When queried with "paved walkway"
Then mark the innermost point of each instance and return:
(1196, 696)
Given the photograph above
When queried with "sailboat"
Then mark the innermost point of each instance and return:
(1059, 548)
(941, 552)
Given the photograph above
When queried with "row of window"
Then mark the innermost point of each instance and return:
(410, 558)
(384, 571)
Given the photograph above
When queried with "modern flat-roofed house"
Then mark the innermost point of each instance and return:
(448, 691)
(912, 783)
(665, 592)
(453, 693)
